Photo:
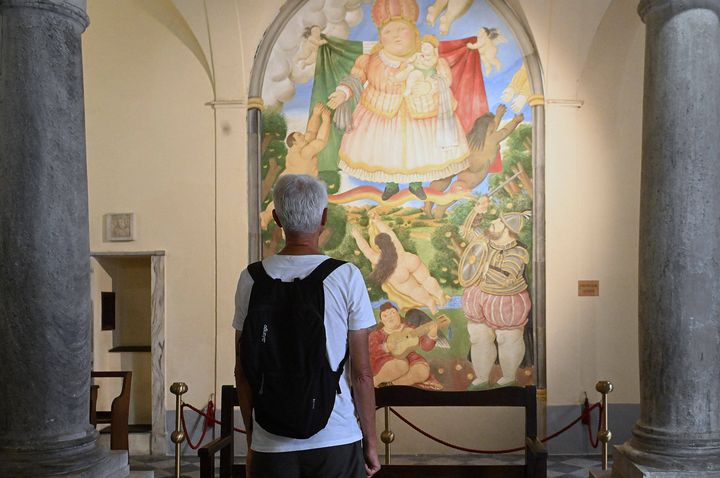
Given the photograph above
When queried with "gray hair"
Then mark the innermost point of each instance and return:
(299, 202)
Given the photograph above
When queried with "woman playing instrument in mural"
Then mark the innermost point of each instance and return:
(402, 275)
(496, 301)
(392, 344)
(392, 138)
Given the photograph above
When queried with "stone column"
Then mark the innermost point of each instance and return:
(678, 433)
(44, 249)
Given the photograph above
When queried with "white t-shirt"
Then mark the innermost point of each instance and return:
(347, 307)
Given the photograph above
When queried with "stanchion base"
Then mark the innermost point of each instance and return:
(600, 473)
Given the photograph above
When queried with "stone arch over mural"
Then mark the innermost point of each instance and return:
(427, 125)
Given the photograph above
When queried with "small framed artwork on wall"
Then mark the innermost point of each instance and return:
(120, 227)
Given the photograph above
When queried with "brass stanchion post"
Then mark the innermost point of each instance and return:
(387, 436)
(604, 387)
(178, 436)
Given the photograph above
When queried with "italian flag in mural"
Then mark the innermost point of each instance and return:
(335, 59)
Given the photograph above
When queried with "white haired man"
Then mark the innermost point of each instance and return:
(343, 448)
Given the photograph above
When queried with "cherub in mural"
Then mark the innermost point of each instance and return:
(453, 9)
(486, 44)
(518, 90)
(496, 301)
(402, 275)
(307, 54)
(393, 345)
(392, 138)
(484, 139)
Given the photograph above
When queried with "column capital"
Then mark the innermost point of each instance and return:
(673, 7)
(76, 10)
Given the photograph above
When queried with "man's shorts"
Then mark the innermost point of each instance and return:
(342, 461)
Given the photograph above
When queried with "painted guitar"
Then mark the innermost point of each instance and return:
(402, 343)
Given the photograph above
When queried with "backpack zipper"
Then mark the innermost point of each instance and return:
(262, 382)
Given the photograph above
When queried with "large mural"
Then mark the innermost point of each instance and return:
(415, 115)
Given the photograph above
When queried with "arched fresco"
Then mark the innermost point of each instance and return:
(425, 121)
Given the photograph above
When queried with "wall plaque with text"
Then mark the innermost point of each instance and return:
(588, 288)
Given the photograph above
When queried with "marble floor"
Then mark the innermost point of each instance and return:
(559, 466)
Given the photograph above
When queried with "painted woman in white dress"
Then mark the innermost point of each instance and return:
(392, 137)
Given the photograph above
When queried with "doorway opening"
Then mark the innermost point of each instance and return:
(128, 335)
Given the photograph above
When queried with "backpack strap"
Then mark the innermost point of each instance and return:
(258, 273)
(341, 366)
(325, 269)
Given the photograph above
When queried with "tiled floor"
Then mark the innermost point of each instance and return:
(560, 466)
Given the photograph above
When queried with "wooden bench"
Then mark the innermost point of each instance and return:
(535, 455)
(118, 414)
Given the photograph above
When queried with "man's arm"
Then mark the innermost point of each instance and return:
(364, 395)
(313, 124)
(323, 135)
(244, 392)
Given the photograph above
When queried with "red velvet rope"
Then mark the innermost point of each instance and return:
(497, 452)
(585, 414)
(209, 419)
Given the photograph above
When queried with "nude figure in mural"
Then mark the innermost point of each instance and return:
(484, 139)
(303, 148)
(392, 137)
(453, 9)
(496, 301)
(402, 275)
(302, 152)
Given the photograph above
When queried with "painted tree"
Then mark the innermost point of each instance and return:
(273, 150)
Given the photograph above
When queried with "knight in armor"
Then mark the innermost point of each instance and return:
(496, 300)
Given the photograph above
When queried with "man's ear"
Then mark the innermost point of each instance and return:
(323, 221)
(277, 219)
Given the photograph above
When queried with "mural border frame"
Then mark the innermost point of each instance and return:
(521, 30)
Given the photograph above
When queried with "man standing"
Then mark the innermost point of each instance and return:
(496, 302)
(341, 449)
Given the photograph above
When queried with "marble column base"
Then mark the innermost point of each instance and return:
(631, 463)
(89, 462)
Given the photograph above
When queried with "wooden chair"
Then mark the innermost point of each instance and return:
(535, 454)
(119, 411)
(225, 443)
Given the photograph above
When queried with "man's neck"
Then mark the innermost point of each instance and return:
(301, 244)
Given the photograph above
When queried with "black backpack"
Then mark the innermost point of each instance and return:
(284, 352)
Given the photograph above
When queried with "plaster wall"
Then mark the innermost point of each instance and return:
(155, 148)
(150, 151)
(592, 54)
